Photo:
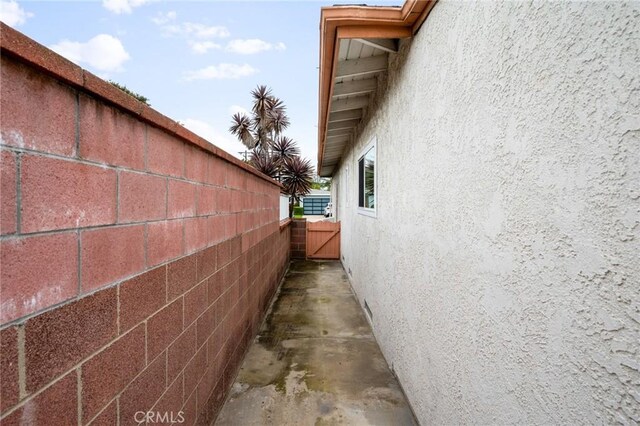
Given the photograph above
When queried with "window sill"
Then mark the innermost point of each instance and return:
(367, 212)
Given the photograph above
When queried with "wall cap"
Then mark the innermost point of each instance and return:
(284, 223)
(18, 46)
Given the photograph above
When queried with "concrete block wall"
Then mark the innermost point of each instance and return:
(299, 239)
(137, 260)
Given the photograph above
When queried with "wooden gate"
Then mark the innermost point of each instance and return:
(323, 240)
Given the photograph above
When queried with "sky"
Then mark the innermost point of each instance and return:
(196, 61)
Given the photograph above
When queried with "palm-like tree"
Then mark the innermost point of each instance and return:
(265, 164)
(268, 120)
(272, 153)
(243, 128)
(285, 148)
(296, 177)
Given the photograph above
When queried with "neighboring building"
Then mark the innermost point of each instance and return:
(315, 201)
(486, 172)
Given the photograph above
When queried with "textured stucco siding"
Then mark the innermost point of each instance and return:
(502, 269)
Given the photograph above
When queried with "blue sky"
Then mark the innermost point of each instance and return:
(196, 61)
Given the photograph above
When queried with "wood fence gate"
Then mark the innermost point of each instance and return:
(323, 240)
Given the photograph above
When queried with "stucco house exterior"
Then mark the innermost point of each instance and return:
(485, 159)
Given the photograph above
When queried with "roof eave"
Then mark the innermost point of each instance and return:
(344, 22)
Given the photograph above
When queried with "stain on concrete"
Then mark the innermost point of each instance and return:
(315, 360)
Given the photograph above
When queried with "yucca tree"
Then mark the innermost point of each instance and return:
(272, 153)
(296, 178)
(267, 121)
(265, 163)
(284, 148)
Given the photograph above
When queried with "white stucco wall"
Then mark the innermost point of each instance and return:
(284, 206)
(503, 267)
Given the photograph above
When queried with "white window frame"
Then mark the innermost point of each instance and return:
(365, 211)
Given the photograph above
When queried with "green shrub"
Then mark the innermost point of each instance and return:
(298, 212)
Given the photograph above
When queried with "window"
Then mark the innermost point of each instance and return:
(367, 180)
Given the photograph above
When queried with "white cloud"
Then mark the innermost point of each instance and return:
(201, 31)
(122, 6)
(221, 72)
(234, 109)
(202, 47)
(219, 139)
(253, 45)
(204, 31)
(12, 14)
(164, 18)
(198, 35)
(103, 52)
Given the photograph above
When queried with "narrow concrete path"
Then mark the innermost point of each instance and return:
(315, 360)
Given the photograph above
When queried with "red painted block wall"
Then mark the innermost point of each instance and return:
(136, 259)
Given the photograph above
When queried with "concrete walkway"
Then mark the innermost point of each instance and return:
(315, 360)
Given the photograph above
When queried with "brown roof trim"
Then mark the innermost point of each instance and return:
(341, 22)
(17, 45)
